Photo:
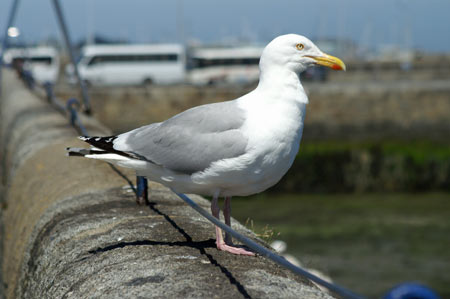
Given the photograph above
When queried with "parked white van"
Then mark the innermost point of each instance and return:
(131, 64)
(233, 65)
(42, 62)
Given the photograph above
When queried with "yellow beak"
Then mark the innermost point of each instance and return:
(330, 61)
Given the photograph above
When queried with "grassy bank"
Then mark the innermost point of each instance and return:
(368, 243)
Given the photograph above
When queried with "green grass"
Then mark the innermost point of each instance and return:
(368, 243)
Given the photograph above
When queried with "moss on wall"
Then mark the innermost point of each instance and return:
(335, 166)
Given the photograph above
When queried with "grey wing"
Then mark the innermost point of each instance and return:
(190, 141)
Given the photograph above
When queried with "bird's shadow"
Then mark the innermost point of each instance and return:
(201, 246)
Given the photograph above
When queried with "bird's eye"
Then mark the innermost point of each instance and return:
(300, 46)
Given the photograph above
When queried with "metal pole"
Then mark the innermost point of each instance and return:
(142, 190)
(62, 25)
(12, 16)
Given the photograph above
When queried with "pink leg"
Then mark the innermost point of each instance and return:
(220, 243)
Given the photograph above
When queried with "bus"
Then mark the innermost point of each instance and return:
(131, 64)
(42, 62)
(232, 65)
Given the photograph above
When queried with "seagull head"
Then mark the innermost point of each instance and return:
(296, 53)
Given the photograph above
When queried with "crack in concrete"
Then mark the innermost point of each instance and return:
(223, 269)
(201, 246)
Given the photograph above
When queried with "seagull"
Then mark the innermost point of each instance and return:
(234, 148)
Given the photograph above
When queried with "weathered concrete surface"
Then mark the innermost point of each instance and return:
(72, 230)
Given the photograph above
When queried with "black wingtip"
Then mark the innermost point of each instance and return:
(74, 154)
(106, 144)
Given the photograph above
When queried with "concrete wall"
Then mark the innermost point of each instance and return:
(400, 110)
(357, 110)
(71, 227)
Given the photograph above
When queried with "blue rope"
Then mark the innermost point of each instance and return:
(48, 86)
(51, 98)
(269, 254)
(73, 114)
(27, 76)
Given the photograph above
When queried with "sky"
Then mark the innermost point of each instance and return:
(417, 24)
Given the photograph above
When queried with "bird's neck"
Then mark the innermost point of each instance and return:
(281, 82)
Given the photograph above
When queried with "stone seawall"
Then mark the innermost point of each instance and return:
(353, 110)
(70, 227)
